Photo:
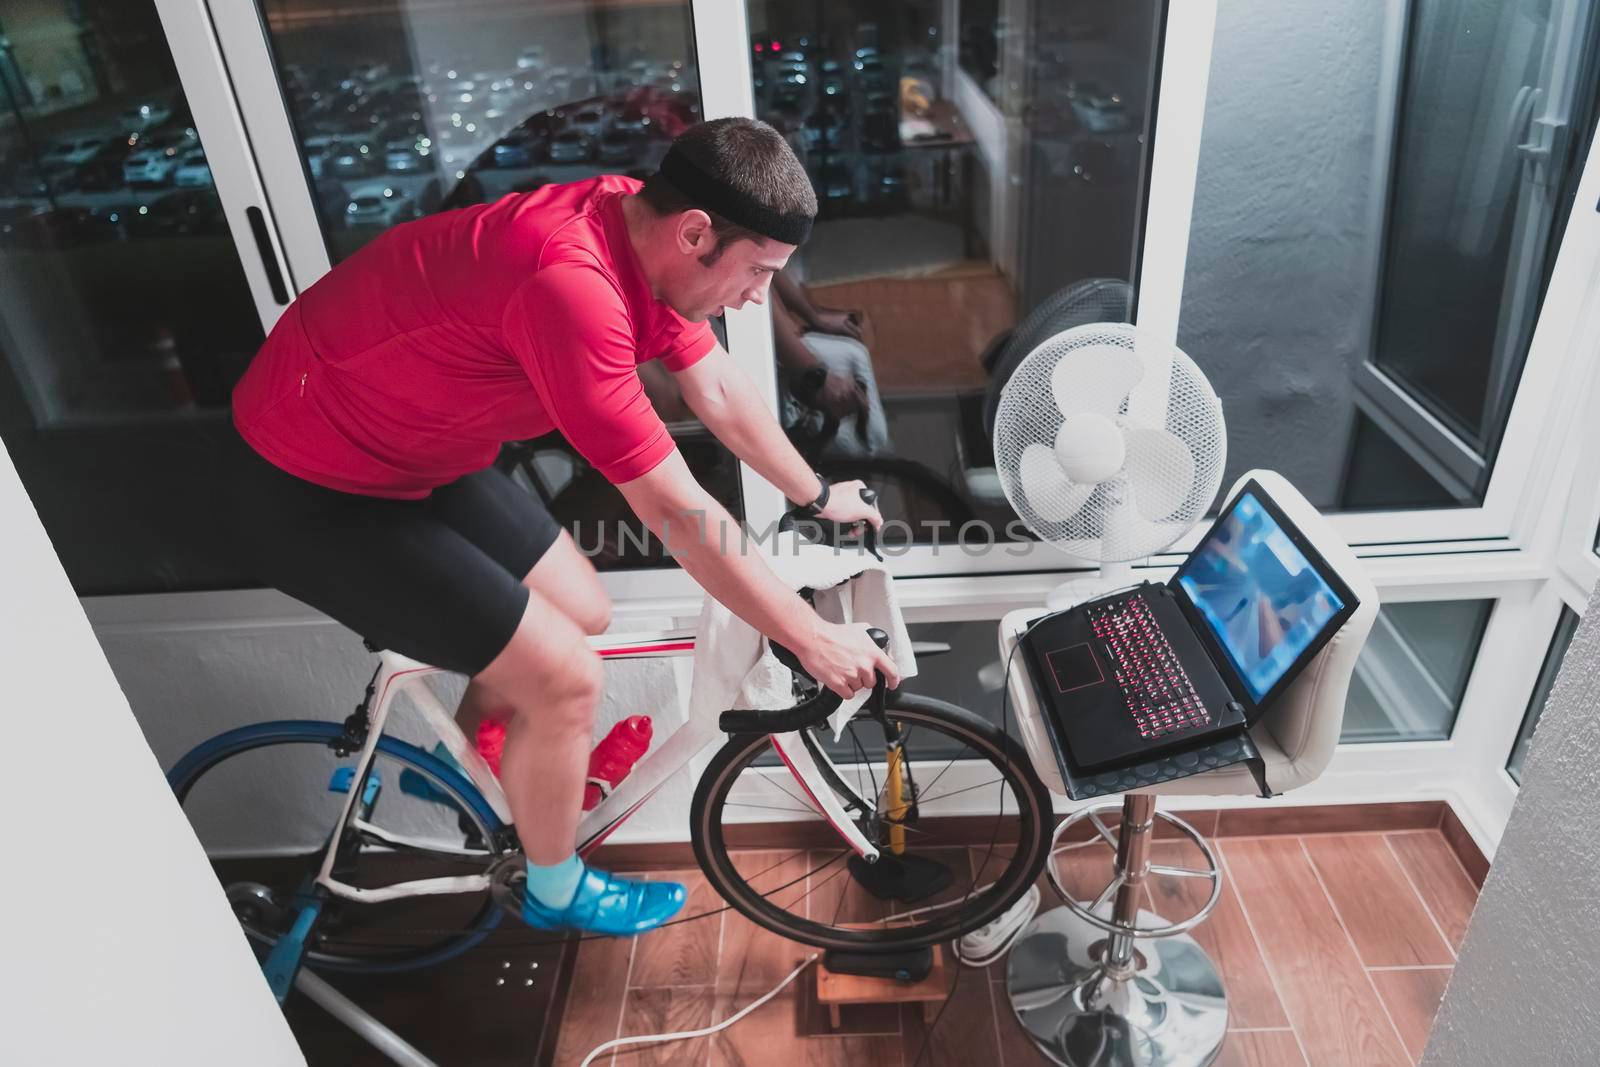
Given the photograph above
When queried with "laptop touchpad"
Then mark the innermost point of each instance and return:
(1074, 667)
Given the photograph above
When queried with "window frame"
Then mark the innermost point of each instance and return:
(1518, 549)
(225, 138)
(235, 63)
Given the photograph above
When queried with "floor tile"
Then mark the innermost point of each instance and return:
(963, 1034)
(1260, 1048)
(1385, 917)
(1412, 997)
(595, 997)
(684, 954)
(769, 1037)
(1252, 1001)
(1437, 874)
(1318, 975)
(664, 1011)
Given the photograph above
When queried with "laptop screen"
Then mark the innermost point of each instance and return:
(1264, 602)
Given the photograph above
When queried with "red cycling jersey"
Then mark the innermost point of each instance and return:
(411, 362)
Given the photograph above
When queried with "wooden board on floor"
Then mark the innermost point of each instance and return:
(840, 990)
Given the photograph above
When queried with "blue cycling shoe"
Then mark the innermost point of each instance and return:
(606, 905)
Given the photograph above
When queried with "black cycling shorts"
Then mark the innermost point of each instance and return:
(439, 579)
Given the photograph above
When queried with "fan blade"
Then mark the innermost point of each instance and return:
(1160, 470)
(1053, 496)
(1095, 378)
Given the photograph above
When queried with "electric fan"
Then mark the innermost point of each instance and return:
(1110, 445)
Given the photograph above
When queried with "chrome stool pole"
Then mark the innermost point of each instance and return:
(1097, 988)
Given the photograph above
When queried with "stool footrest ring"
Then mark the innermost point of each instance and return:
(1212, 871)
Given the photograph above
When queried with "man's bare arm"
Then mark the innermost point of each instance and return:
(723, 397)
(709, 545)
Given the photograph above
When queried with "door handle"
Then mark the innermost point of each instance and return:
(269, 258)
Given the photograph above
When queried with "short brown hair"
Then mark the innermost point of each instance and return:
(750, 156)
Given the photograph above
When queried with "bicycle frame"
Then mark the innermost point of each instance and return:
(397, 674)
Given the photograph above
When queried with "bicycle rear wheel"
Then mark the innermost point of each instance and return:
(263, 800)
(765, 846)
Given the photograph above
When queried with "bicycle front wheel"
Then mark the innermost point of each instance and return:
(924, 785)
(264, 801)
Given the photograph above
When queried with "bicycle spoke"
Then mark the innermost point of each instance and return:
(855, 915)
(963, 789)
(814, 890)
(768, 807)
(773, 781)
(946, 768)
(876, 791)
(839, 906)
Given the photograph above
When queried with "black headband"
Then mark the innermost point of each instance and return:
(714, 194)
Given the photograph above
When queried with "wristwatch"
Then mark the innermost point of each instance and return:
(816, 506)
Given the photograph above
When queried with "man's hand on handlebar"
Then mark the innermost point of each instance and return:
(842, 658)
(846, 505)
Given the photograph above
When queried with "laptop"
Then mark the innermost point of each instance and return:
(1169, 668)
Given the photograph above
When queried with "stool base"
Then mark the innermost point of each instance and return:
(1170, 1012)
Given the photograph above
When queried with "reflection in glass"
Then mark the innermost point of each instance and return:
(125, 317)
(403, 112)
(1541, 691)
(1413, 672)
(122, 292)
(1471, 212)
(1421, 243)
(968, 673)
(971, 176)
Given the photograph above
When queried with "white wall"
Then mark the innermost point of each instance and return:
(193, 670)
(119, 946)
(1279, 281)
(1523, 989)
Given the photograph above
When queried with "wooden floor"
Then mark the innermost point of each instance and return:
(1335, 935)
(1334, 947)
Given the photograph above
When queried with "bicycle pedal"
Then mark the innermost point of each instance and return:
(344, 776)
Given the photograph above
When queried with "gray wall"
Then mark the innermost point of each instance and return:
(1523, 989)
(189, 678)
(1279, 283)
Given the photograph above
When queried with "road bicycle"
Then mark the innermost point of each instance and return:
(921, 821)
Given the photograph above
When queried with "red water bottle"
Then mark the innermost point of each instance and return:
(492, 743)
(615, 756)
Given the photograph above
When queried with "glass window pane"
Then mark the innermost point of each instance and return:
(405, 111)
(125, 317)
(981, 180)
(1467, 215)
(1413, 672)
(970, 676)
(1437, 226)
(1541, 691)
(1383, 476)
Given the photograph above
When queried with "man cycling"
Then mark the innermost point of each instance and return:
(371, 417)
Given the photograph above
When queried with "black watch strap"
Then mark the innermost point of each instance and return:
(816, 506)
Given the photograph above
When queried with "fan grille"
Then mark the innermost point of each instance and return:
(1173, 395)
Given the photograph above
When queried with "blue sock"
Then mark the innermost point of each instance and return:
(555, 886)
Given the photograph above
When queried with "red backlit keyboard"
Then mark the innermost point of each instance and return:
(1157, 690)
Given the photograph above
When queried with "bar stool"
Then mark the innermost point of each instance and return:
(1104, 981)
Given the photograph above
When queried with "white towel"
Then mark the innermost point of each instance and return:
(733, 664)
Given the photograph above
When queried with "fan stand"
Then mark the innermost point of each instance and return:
(1113, 574)
(1109, 578)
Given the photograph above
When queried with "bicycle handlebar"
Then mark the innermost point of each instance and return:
(830, 533)
(806, 714)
